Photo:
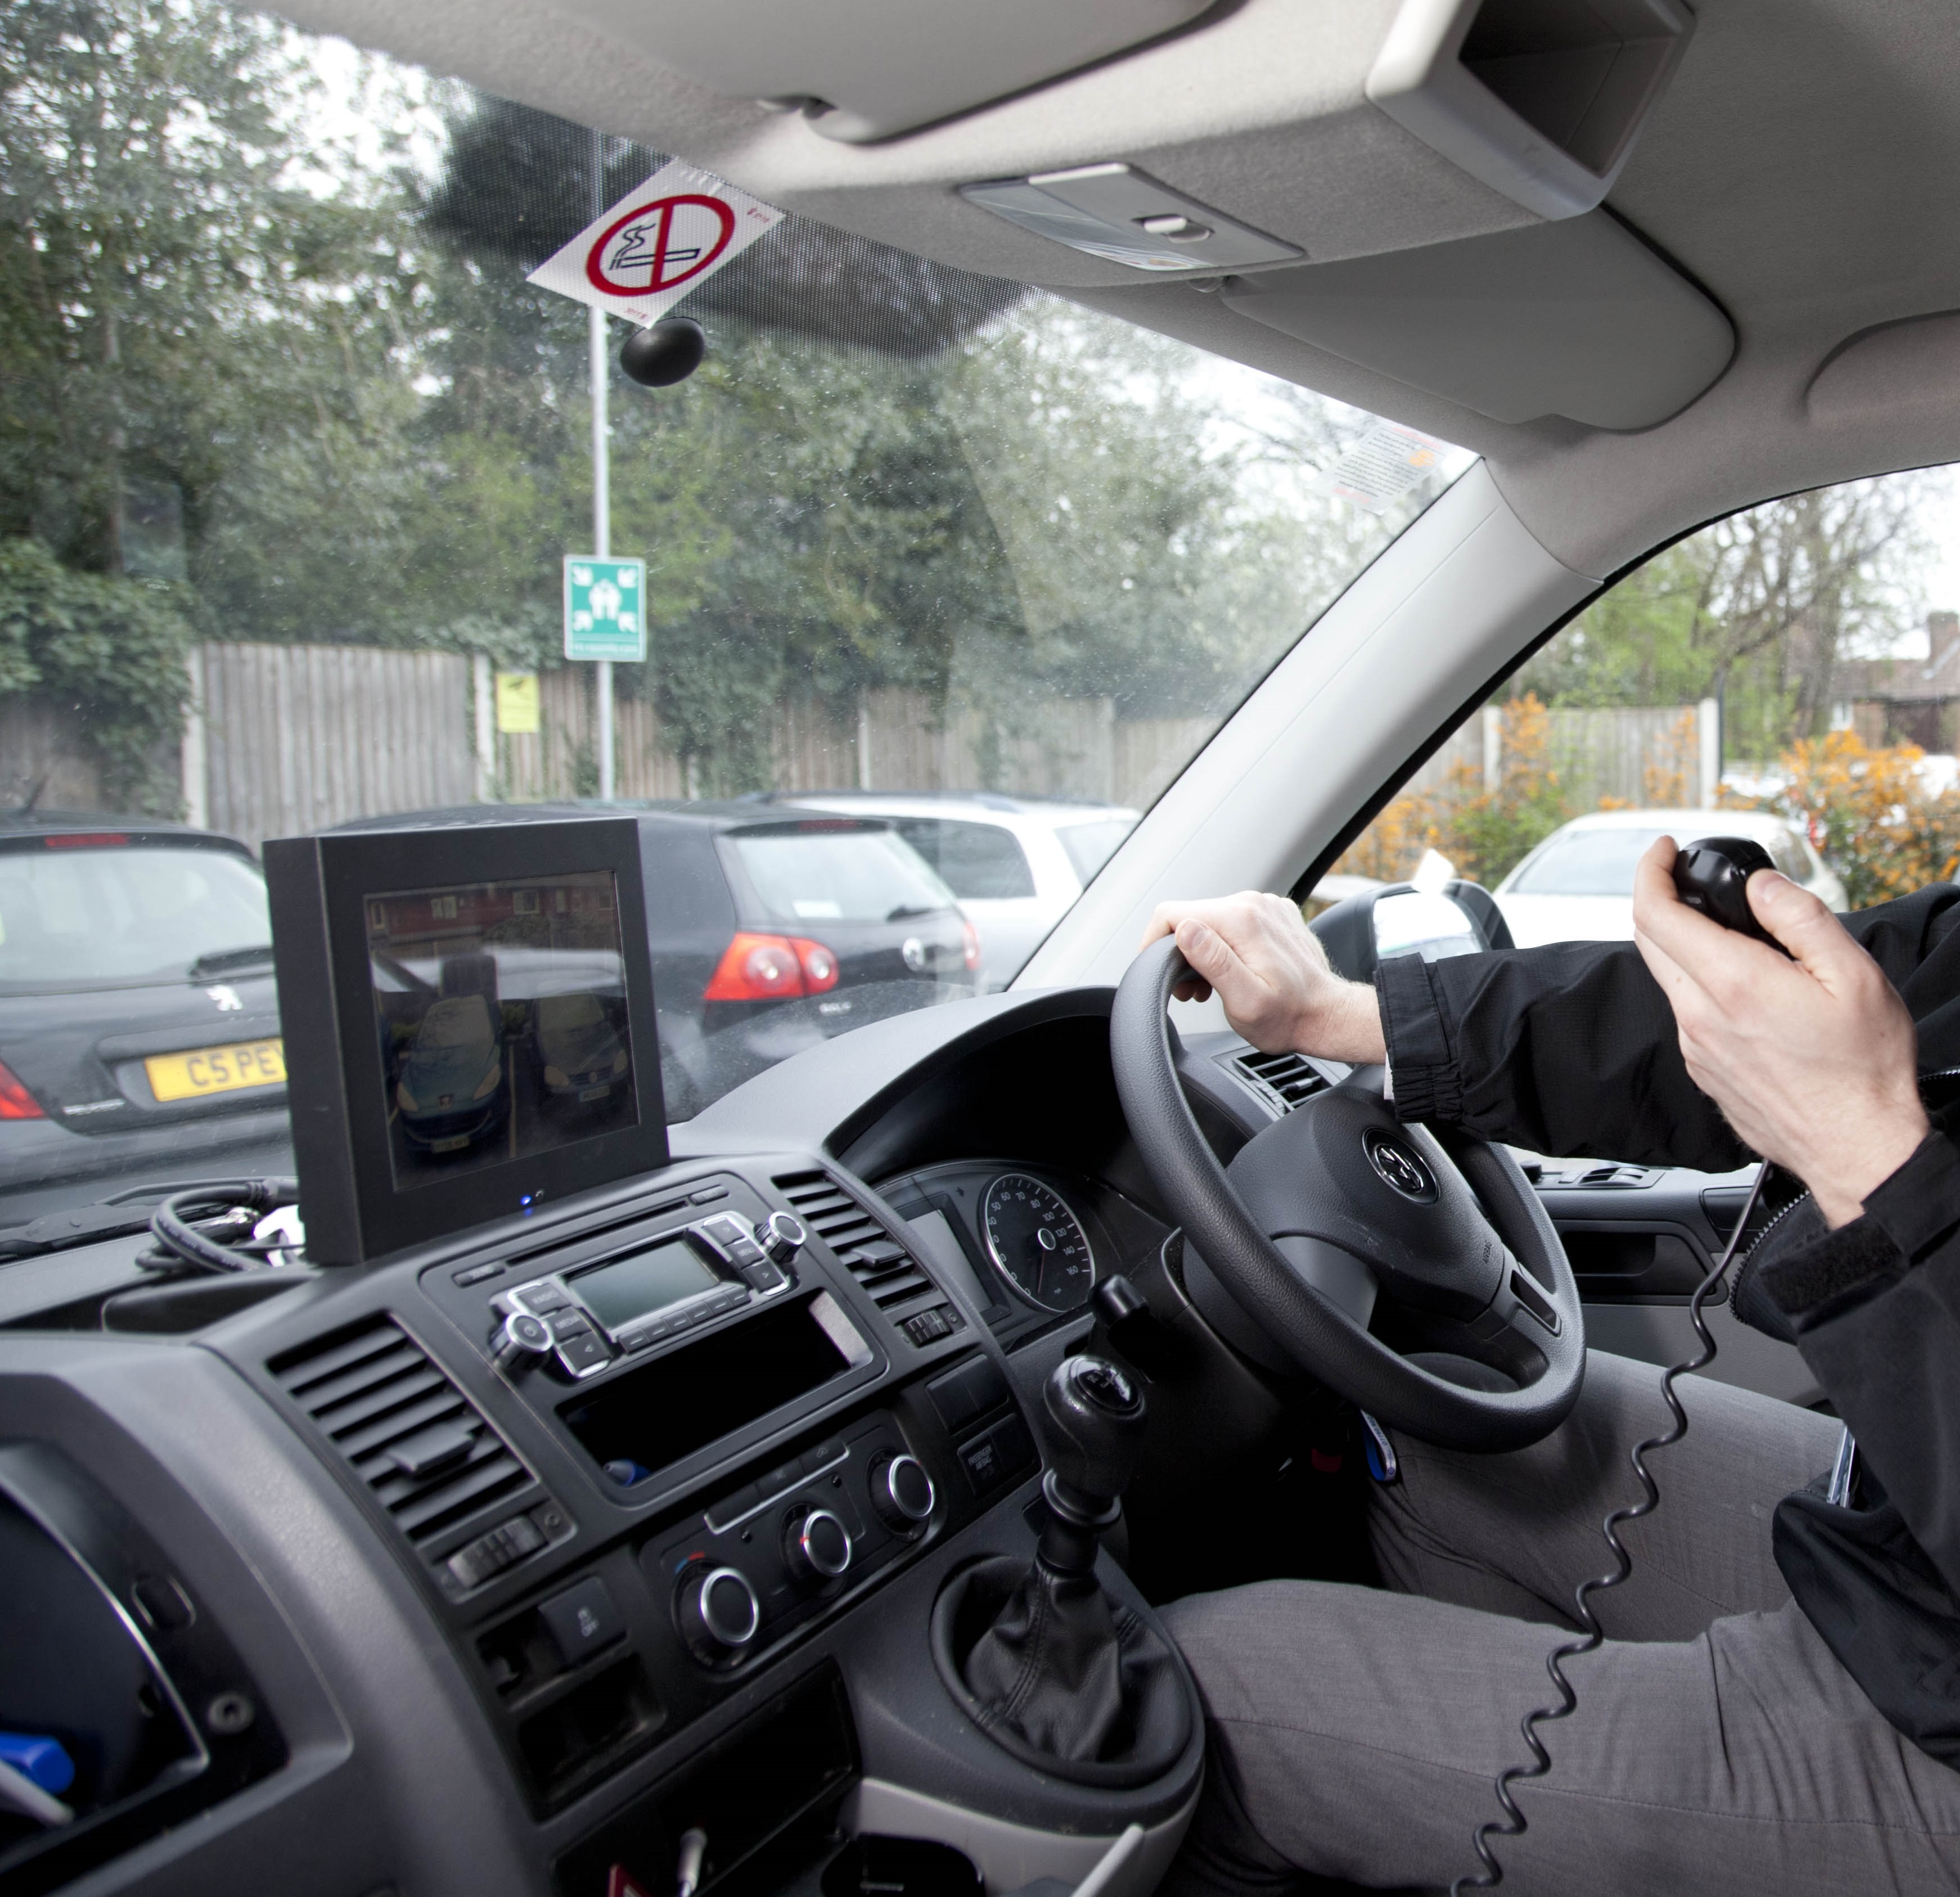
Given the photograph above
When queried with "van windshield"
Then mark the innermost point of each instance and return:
(323, 500)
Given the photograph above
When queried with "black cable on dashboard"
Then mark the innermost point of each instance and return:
(1512, 1824)
(175, 1223)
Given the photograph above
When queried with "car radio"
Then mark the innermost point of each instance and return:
(623, 1301)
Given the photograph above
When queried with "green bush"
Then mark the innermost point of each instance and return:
(113, 651)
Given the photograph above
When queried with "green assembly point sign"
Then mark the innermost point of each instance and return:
(605, 609)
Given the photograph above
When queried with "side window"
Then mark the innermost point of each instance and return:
(976, 861)
(1792, 672)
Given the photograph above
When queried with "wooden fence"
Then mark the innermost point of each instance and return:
(1663, 755)
(282, 739)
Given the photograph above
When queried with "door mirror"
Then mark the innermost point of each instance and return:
(1460, 919)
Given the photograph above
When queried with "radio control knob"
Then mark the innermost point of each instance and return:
(817, 1547)
(782, 1236)
(902, 1492)
(719, 1614)
(524, 1343)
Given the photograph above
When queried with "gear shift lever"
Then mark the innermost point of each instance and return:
(1094, 1416)
(1043, 1658)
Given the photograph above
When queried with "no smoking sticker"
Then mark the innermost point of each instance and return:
(664, 238)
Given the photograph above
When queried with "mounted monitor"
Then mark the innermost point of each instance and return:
(468, 1022)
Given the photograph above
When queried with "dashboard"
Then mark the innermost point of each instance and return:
(500, 1563)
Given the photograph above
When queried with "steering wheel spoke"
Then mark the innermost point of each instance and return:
(1407, 1271)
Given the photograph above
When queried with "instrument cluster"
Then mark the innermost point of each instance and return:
(1028, 1243)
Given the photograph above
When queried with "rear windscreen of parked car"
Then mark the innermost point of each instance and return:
(1090, 845)
(817, 875)
(977, 861)
(1587, 862)
(92, 912)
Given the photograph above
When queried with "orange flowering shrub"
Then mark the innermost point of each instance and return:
(1871, 813)
(1483, 832)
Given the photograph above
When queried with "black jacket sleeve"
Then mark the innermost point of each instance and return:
(1876, 1308)
(1572, 1049)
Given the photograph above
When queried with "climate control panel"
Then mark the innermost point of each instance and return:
(766, 1556)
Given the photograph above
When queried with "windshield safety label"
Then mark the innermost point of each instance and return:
(662, 240)
(1382, 466)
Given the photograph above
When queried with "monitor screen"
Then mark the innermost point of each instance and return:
(648, 1281)
(502, 1016)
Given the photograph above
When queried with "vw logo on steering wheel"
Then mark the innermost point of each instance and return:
(1399, 1167)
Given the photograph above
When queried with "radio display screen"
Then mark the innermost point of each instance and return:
(648, 1281)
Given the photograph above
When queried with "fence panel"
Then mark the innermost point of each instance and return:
(288, 739)
(295, 738)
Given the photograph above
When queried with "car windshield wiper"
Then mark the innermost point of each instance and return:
(906, 911)
(225, 960)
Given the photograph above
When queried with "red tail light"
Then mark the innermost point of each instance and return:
(16, 1102)
(973, 936)
(771, 968)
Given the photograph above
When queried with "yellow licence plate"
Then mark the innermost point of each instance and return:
(216, 1070)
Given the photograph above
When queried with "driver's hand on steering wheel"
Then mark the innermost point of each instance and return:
(1268, 969)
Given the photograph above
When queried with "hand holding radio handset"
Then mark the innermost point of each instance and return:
(1788, 1026)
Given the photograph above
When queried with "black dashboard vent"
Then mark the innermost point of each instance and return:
(1283, 1080)
(886, 1270)
(419, 1444)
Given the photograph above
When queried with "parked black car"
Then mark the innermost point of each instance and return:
(139, 1029)
(770, 931)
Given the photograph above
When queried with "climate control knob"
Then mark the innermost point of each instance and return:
(817, 1548)
(719, 1614)
(902, 1493)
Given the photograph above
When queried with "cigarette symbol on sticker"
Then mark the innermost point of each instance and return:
(658, 246)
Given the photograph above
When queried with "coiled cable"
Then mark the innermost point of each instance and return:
(194, 1229)
(1512, 1824)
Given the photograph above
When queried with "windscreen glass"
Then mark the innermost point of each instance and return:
(1090, 845)
(617, 1293)
(501, 1010)
(326, 497)
(104, 914)
(841, 875)
(977, 861)
(1587, 862)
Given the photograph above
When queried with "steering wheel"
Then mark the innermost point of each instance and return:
(1338, 1222)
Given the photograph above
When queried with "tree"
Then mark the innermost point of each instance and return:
(1755, 610)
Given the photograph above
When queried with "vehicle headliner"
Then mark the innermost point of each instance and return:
(1798, 170)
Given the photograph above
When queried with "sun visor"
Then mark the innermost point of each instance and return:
(866, 69)
(1577, 318)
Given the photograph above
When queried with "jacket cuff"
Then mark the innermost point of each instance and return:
(1905, 1218)
(1427, 1086)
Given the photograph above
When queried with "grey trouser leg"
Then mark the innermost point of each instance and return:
(1717, 1745)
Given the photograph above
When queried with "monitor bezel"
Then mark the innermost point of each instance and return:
(352, 867)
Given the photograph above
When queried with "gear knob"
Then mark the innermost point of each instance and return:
(1095, 1417)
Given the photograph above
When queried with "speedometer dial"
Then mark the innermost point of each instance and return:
(1034, 1237)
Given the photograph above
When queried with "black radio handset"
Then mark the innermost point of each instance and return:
(1711, 876)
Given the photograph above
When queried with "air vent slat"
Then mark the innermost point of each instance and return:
(447, 1500)
(889, 1273)
(322, 1397)
(343, 1357)
(1281, 1079)
(379, 1388)
(439, 1407)
(423, 1381)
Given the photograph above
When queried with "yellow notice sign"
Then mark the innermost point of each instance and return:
(516, 701)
